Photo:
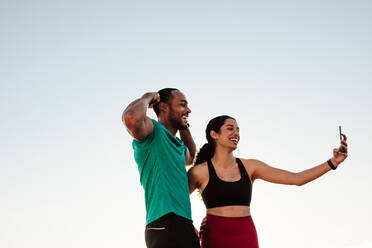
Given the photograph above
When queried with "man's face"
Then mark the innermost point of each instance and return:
(178, 110)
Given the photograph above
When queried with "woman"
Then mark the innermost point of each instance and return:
(225, 183)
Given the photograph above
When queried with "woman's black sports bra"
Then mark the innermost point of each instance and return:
(219, 193)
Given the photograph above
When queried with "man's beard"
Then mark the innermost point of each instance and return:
(176, 121)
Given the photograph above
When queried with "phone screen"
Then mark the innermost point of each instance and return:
(339, 127)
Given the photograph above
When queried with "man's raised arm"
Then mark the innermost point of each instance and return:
(134, 117)
(190, 144)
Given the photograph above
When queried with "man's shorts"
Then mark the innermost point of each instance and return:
(171, 231)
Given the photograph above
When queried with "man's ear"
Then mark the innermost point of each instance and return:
(164, 107)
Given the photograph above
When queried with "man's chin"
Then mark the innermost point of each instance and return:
(179, 124)
(183, 127)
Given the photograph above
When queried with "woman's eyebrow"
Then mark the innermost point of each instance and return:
(231, 125)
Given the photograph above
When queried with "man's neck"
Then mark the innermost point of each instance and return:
(168, 126)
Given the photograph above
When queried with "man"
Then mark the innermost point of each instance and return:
(161, 158)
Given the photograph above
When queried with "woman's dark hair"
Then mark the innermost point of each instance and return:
(207, 151)
(165, 96)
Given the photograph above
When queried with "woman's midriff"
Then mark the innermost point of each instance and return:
(230, 211)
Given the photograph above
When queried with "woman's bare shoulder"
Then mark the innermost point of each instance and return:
(251, 165)
(199, 168)
(251, 162)
(199, 171)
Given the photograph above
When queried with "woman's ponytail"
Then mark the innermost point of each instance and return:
(204, 154)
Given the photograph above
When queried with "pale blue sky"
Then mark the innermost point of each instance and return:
(289, 71)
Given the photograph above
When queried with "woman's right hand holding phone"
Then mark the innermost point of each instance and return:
(340, 154)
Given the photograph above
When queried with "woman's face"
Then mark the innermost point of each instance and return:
(228, 135)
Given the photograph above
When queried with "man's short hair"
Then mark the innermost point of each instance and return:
(165, 96)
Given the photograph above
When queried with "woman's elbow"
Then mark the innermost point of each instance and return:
(300, 183)
(299, 180)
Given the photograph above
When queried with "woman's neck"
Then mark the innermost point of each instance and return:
(223, 158)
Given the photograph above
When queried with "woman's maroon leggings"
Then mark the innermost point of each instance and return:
(231, 232)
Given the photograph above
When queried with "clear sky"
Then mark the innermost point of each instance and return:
(290, 72)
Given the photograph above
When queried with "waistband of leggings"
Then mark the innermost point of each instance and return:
(224, 218)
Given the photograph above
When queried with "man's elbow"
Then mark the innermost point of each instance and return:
(191, 159)
(128, 120)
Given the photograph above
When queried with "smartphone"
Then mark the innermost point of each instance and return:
(342, 149)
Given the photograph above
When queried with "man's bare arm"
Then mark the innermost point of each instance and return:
(187, 139)
(134, 117)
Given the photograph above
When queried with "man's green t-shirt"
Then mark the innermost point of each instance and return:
(161, 164)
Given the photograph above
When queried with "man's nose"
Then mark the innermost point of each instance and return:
(188, 109)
